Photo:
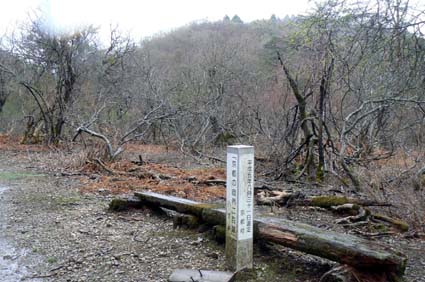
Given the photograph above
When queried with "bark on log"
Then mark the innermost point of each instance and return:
(342, 248)
(397, 223)
(327, 202)
(345, 249)
(181, 205)
(118, 204)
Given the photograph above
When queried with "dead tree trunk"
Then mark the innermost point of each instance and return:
(302, 116)
(324, 92)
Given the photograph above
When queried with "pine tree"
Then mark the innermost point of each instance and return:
(237, 19)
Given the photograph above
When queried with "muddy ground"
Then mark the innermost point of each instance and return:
(52, 229)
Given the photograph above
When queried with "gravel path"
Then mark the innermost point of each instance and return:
(49, 231)
(61, 235)
(52, 232)
(12, 268)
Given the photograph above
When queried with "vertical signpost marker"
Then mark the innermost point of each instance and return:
(239, 207)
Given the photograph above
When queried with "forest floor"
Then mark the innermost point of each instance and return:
(55, 223)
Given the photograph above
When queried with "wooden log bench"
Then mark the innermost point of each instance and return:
(358, 253)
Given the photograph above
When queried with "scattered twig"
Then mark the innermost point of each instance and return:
(361, 216)
(374, 234)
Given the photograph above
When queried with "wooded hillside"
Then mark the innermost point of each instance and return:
(323, 95)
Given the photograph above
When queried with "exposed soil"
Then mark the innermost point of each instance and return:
(62, 234)
(13, 265)
(55, 225)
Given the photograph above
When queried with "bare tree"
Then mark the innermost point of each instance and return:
(52, 70)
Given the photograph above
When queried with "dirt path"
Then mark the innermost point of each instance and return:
(11, 266)
(57, 234)
(52, 232)
(49, 231)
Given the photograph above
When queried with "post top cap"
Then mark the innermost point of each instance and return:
(240, 146)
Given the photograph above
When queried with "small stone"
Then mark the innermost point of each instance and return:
(190, 275)
(197, 242)
(212, 255)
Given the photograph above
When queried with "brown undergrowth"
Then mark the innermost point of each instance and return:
(393, 180)
(185, 183)
(13, 143)
(166, 171)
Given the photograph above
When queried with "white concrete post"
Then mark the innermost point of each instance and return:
(239, 207)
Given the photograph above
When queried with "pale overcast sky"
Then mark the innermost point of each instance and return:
(146, 17)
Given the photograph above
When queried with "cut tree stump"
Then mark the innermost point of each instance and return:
(343, 248)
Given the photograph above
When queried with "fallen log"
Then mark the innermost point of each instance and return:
(329, 201)
(342, 248)
(397, 223)
(119, 204)
(365, 215)
(299, 199)
(345, 249)
(273, 198)
(181, 205)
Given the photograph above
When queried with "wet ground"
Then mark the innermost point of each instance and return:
(12, 268)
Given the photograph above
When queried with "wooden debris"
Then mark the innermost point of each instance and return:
(107, 169)
(397, 223)
(346, 208)
(119, 204)
(345, 273)
(273, 198)
(181, 219)
(342, 248)
(213, 182)
(329, 201)
(362, 215)
(299, 199)
(139, 162)
(156, 200)
(358, 214)
(374, 234)
(346, 249)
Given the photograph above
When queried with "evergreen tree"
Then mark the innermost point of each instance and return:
(237, 19)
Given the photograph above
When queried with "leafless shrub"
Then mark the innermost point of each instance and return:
(394, 180)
